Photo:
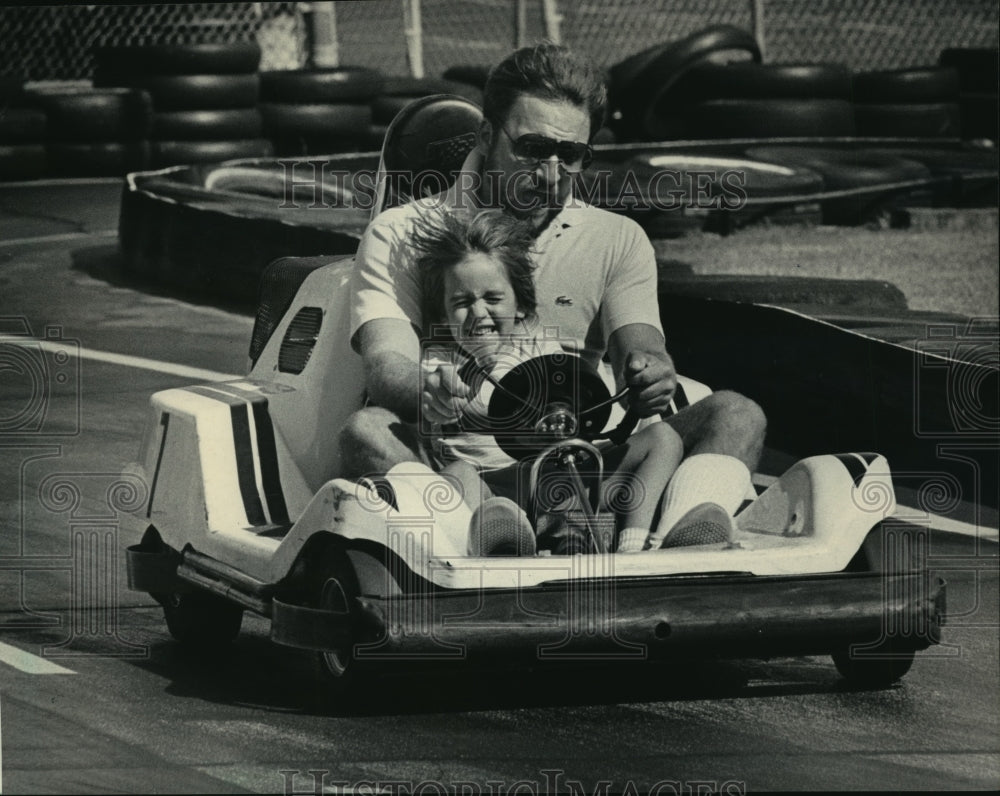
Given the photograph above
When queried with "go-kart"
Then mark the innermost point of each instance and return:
(246, 511)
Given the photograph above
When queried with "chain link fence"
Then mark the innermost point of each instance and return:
(55, 42)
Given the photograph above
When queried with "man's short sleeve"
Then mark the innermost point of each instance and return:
(384, 283)
(631, 292)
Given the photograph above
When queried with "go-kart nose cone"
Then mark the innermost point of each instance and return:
(544, 400)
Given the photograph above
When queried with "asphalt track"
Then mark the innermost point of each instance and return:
(95, 696)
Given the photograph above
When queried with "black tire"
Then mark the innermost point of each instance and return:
(303, 145)
(972, 172)
(97, 159)
(175, 153)
(96, 114)
(469, 74)
(752, 178)
(384, 109)
(751, 80)
(22, 126)
(979, 116)
(273, 185)
(11, 90)
(344, 84)
(338, 671)
(844, 169)
(926, 84)
(978, 67)
(929, 120)
(770, 118)
(375, 137)
(873, 668)
(22, 162)
(316, 120)
(208, 125)
(425, 86)
(179, 59)
(639, 83)
(201, 92)
(201, 620)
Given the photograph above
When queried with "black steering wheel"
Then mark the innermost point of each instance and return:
(551, 398)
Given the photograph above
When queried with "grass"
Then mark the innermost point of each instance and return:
(954, 269)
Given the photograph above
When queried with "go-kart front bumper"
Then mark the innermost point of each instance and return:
(719, 616)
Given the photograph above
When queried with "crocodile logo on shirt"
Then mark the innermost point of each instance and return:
(564, 301)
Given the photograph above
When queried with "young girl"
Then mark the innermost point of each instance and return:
(479, 305)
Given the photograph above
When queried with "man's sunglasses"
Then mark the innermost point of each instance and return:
(534, 148)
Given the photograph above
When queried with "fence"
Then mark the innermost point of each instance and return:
(54, 42)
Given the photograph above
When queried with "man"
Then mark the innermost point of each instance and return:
(595, 275)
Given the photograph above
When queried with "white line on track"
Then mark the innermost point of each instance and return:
(171, 368)
(29, 663)
(62, 236)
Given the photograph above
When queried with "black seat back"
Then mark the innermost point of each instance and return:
(424, 148)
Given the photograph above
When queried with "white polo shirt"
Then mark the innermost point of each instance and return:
(595, 271)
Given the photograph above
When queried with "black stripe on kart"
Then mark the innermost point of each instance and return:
(269, 465)
(165, 422)
(869, 457)
(854, 464)
(244, 451)
(244, 465)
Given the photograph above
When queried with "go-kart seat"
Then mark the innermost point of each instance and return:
(300, 341)
(424, 148)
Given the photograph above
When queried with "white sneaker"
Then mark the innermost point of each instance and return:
(706, 523)
(499, 527)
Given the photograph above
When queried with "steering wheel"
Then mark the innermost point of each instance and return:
(551, 398)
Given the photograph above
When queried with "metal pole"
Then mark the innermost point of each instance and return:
(325, 47)
(757, 15)
(414, 37)
(550, 10)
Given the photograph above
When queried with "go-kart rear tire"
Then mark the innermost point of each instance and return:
(873, 670)
(201, 620)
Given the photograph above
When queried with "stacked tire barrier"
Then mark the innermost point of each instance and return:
(22, 133)
(908, 103)
(681, 90)
(320, 111)
(398, 92)
(95, 132)
(204, 98)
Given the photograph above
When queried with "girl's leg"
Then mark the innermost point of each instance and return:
(474, 489)
(641, 468)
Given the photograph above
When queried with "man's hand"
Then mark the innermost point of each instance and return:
(445, 396)
(651, 380)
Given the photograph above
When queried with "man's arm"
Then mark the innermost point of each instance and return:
(640, 360)
(391, 353)
(395, 380)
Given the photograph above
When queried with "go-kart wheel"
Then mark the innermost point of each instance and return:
(337, 669)
(199, 619)
(873, 668)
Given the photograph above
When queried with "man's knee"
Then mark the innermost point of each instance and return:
(367, 427)
(737, 413)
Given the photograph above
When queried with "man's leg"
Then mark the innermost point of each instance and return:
(374, 440)
(724, 422)
(723, 438)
